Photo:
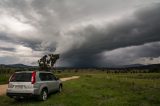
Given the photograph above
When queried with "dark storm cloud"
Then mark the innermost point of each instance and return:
(4, 36)
(143, 27)
(149, 50)
(32, 43)
(130, 55)
(81, 30)
(7, 49)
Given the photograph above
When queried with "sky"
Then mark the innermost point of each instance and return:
(86, 33)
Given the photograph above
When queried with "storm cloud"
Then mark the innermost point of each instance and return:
(139, 29)
(86, 33)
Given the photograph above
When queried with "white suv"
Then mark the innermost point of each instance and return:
(33, 83)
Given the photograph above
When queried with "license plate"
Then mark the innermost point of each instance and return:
(19, 86)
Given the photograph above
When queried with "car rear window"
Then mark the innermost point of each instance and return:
(21, 77)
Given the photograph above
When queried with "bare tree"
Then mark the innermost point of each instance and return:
(47, 61)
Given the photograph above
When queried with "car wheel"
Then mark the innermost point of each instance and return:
(17, 99)
(43, 95)
(60, 89)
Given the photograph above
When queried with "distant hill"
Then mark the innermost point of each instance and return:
(131, 66)
(141, 66)
(16, 66)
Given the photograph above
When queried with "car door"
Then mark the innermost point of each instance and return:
(44, 80)
(47, 80)
(54, 85)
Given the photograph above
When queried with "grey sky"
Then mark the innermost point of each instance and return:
(84, 32)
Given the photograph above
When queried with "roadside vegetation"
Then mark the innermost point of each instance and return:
(101, 89)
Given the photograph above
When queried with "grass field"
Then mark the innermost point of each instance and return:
(4, 78)
(102, 89)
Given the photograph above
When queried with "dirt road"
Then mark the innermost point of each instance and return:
(69, 78)
(4, 87)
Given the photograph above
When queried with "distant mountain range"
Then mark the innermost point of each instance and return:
(16, 65)
(131, 66)
(137, 66)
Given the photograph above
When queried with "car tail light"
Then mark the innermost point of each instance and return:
(33, 78)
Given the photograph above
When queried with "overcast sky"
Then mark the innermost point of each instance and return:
(84, 32)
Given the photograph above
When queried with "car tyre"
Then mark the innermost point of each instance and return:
(44, 95)
(60, 89)
(18, 99)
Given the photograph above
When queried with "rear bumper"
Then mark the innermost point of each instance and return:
(20, 95)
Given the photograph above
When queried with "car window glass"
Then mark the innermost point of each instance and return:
(47, 77)
(43, 76)
(53, 77)
(21, 77)
(50, 78)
